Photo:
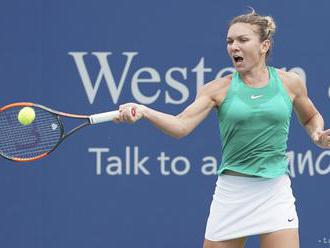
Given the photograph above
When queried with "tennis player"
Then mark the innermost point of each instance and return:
(253, 193)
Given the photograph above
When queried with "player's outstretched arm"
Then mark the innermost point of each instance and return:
(174, 125)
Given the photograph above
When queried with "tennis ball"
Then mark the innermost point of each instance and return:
(26, 116)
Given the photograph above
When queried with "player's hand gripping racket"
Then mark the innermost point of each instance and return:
(31, 131)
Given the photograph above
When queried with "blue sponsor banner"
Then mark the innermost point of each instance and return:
(131, 185)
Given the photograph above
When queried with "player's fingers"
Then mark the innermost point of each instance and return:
(324, 140)
(130, 112)
(116, 120)
(326, 144)
(326, 132)
(122, 107)
(327, 140)
(126, 105)
(121, 117)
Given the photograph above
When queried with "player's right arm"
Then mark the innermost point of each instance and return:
(208, 97)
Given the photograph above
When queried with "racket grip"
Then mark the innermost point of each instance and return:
(103, 117)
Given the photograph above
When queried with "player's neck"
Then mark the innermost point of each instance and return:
(256, 77)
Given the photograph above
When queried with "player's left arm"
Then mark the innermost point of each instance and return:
(309, 117)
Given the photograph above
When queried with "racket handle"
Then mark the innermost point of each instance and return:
(108, 116)
(103, 117)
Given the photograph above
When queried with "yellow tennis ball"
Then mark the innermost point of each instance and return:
(26, 116)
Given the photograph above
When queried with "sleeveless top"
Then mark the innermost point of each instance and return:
(254, 126)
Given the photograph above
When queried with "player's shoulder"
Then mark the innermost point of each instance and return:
(215, 89)
(292, 81)
(218, 83)
(290, 78)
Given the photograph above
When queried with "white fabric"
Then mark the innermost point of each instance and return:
(245, 206)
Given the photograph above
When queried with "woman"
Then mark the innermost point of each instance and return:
(253, 193)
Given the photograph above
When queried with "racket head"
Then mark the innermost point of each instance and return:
(24, 143)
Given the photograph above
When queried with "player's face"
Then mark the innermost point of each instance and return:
(244, 46)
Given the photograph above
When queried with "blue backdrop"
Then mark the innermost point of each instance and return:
(130, 185)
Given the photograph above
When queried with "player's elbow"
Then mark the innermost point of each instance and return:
(179, 135)
(182, 131)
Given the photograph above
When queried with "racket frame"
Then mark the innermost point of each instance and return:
(57, 114)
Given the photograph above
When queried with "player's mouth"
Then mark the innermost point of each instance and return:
(238, 60)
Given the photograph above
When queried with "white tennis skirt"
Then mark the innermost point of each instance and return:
(245, 206)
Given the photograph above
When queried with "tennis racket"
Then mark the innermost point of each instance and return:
(24, 143)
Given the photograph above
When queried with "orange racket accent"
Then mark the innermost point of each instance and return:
(30, 104)
(30, 159)
(17, 104)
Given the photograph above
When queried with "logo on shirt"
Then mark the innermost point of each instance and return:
(255, 96)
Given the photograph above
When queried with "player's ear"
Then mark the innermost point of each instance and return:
(265, 46)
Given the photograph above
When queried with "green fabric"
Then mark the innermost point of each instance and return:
(254, 126)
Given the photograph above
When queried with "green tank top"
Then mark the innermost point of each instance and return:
(254, 126)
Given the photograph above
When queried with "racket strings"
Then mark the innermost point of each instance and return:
(28, 141)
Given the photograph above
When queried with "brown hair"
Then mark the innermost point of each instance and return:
(266, 25)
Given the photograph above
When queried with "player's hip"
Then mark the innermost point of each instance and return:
(244, 206)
